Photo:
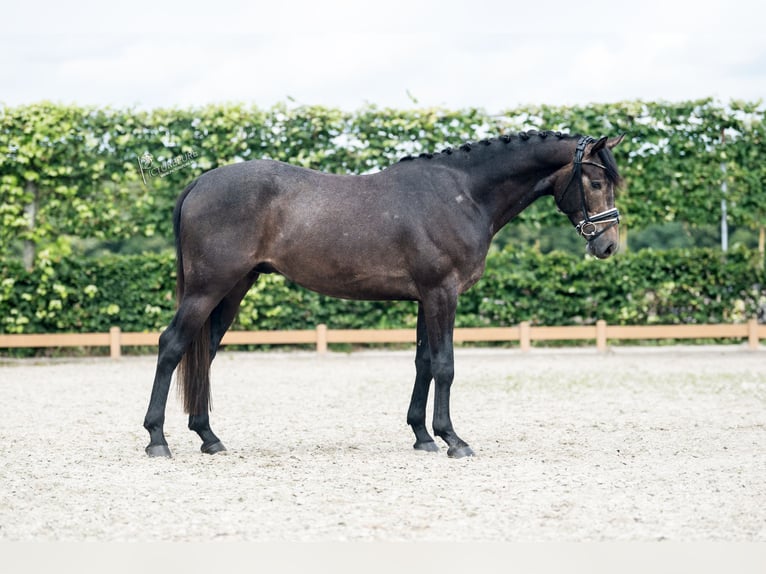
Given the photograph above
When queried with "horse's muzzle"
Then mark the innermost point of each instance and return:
(605, 245)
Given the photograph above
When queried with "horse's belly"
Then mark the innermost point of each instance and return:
(353, 284)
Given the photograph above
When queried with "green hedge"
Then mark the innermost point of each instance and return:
(645, 287)
(76, 168)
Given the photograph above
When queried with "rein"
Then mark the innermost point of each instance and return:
(588, 227)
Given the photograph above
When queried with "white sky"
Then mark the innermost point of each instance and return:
(456, 53)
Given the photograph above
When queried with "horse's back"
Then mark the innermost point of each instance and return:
(347, 236)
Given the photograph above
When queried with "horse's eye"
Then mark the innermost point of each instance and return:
(596, 184)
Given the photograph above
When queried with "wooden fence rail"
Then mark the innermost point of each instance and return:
(320, 337)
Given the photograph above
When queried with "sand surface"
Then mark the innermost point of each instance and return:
(572, 445)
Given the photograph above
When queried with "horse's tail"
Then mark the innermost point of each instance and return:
(193, 373)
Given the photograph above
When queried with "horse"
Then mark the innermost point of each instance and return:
(417, 230)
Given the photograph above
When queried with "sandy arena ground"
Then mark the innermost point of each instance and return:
(571, 445)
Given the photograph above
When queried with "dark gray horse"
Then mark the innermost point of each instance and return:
(418, 230)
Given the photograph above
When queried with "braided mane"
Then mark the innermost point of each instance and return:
(506, 139)
(605, 155)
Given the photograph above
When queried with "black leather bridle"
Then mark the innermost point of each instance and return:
(589, 226)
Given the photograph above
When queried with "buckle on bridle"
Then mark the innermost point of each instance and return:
(587, 227)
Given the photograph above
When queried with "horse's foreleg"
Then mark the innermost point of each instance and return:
(220, 320)
(416, 415)
(439, 310)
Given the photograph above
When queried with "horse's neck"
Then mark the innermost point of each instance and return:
(507, 181)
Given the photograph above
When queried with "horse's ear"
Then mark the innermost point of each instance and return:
(614, 142)
(598, 146)
(604, 141)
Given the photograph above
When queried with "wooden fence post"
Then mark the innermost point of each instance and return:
(115, 348)
(525, 336)
(601, 335)
(322, 339)
(752, 334)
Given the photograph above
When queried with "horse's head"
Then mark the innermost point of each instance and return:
(586, 196)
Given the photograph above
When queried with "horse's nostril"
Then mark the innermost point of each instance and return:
(610, 249)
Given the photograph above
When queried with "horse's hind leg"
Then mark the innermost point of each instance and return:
(220, 320)
(187, 322)
(416, 415)
(226, 311)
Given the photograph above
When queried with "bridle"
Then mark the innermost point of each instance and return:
(589, 226)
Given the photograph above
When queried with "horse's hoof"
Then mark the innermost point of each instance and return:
(213, 448)
(429, 446)
(459, 451)
(158, 450)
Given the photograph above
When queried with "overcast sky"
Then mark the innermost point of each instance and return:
(455, 53)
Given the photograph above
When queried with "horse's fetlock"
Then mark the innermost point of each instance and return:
(416, 420)
(152, 424)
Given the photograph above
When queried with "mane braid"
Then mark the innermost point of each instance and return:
(508, 138)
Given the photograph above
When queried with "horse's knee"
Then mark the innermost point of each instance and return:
(423, 364)
(443, 371)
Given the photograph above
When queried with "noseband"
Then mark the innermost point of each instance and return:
(589, 227)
